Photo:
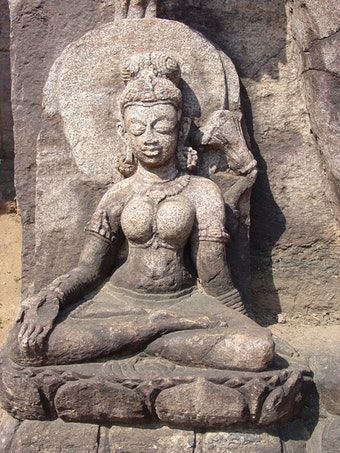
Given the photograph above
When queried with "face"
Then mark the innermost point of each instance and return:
(151, 132)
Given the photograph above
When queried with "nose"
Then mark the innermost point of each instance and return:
(150, 137)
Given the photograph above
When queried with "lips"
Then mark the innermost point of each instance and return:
(152, 152)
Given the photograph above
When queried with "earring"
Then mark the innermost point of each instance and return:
(127, 164)
(187, 158)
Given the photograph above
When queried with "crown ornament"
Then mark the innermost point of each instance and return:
(135, 9)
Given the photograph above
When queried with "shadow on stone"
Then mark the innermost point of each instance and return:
(7, 192)
(267, 226)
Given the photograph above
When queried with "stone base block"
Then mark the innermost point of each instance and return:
(61, 437)
(151, 390)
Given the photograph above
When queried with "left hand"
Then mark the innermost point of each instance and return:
(37, 315)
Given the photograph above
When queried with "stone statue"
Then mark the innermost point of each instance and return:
(174, 223)
(162, 333)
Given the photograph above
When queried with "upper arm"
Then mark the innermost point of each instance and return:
(210, 213)
(105, 222)
(103, 230)
(209, 238)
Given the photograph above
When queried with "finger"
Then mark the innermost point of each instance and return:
(121, 9)
(20, 316)
(136, 9)
(22, 332)
(41, 337)
(33, 338)
(151, 9)
(26, 336)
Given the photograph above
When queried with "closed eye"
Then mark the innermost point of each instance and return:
(137, 129)
(164, 127)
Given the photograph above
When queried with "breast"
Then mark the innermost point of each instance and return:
(169, 223)
(174, 221)
(137, 220)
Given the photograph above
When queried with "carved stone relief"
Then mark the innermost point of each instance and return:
(158, 330)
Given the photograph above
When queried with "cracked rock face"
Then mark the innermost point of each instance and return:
(316, 27)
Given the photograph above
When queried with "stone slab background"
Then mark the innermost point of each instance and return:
(285, 55)
(6, 121)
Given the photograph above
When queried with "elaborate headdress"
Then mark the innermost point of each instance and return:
(151, 77)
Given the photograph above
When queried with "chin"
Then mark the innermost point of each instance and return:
(154, 162)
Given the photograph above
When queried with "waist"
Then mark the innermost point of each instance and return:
(149, 297)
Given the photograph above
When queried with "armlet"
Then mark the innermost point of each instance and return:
(99, 226)
(213, 234)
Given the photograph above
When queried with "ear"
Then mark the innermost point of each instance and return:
(121, 131)
(184, 129)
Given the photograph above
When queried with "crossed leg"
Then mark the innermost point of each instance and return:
(196, 330)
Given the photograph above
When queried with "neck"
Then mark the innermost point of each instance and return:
(165, 173)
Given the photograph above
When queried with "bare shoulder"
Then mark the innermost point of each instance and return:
(117, 193)
(203, 189)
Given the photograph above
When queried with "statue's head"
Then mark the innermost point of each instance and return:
(151, 111)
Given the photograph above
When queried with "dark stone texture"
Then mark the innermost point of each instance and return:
(326, 437)
(21, 391)
(293, 222)
(57, 437)
(283, 401)
(316, 27)
(8, 428)
(54, 437)
(293, 228)
(93, 402)
(201, 404)
(294, 436)
(41, 30)
(6, 121)
(326, 370)
(146, 389)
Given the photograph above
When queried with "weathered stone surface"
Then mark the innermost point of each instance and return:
(93, 402)
(54, 437)
(8, 428)
(6, 122)
(147, 440)
(331, 435)
(20, 396)
(218, 348)
(79, 145)
(293, 223)
(326, 370)
(240, 442)
(107, 392)
(280, 403)
(326, 436)
(174, 297)
(316, 29)
(31, 21)
(201, 404)
(294, 436)
(291, 186)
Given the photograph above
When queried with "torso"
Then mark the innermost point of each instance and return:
(157, 224)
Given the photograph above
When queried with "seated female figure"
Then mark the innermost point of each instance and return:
(174, 225)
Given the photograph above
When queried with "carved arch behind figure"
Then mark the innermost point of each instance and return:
(79, 147)
(84, 85)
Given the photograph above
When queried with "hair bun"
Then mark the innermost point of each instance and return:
(151, 65)
(151, 77)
